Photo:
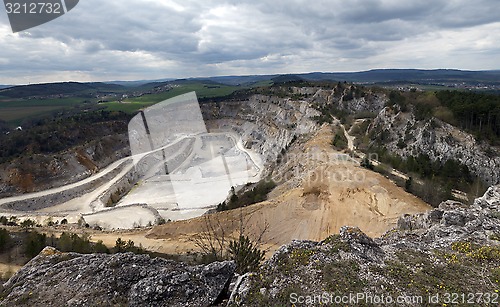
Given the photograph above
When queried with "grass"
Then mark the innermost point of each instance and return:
(13, 115)
(14, 111)
(132, 105)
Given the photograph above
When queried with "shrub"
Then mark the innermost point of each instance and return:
(5, 239)
(252, 196)
(246, 254)
(340, 141)
(366, 163)
(34, 243)
(27, 223)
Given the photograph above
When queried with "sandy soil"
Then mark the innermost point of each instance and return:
(7, 270)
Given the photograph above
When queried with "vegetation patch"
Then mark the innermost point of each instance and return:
(253, 195)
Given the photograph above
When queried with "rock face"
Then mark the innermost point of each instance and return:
(266, 124)
(69, 279)
(452, 222)
(453, 248)
(437, 139)
(45, 171)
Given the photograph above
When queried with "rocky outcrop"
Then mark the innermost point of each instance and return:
(453, 248)
(124, 279)
(350, 98)
(405, 136)
(452, 222)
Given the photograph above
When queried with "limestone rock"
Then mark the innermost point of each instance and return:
(69, 279)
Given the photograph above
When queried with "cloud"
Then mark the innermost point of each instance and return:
(109, 40)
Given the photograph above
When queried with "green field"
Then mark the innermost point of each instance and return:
(14, 115)
(15, 110)
(202, 91)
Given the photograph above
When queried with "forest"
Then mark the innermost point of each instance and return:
(475, 112)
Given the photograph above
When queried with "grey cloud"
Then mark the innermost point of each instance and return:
(179, 39)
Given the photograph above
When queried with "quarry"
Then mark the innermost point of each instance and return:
(179, 174)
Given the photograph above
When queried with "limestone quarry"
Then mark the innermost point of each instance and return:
(185, 159)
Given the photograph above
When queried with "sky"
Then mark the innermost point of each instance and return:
(145, 40)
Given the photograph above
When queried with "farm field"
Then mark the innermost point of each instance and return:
(132, 105)
(14, 111)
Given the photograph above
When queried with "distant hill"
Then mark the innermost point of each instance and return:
(139, 82)
(47, 89)
(410, 75)
(287, 78)
(377, 76)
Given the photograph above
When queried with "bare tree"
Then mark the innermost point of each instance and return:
(212, 240)
(216, 243)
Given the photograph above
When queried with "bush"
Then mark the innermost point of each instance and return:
(27, 223)
(34, 243)
(252, 196)
(340, 141)
(245, 254)
(366, 163)
(5, 239)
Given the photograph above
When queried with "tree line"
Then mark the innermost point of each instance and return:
(475, 112)
(32, 242)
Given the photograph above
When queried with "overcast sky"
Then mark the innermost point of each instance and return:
(142, 39)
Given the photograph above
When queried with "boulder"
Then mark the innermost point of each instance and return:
(70, 279)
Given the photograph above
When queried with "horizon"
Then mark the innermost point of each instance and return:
(170, 79)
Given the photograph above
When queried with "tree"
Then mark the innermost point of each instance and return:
(65, 243)
(27, 224)
(340, 141)
(13, 221)
(212, 240)
(245, 254)
(120, 245)
(99, 247)
(366, 163)
(408, 184)
(34, 243)
(216, 245)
